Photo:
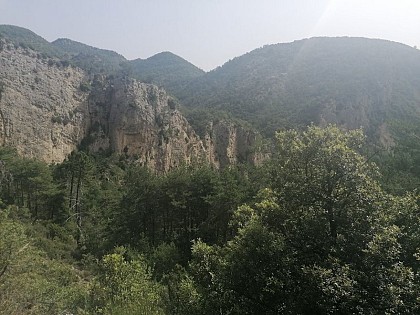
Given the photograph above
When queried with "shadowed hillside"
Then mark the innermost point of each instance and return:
(350, 81)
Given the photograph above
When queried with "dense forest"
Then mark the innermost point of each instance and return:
(316, 230)
(351, 82)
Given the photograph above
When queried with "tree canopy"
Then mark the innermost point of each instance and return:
(322, 239)
(311, 232)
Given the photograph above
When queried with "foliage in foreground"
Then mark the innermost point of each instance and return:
(97, 235)
(323, 239)
(31, 282)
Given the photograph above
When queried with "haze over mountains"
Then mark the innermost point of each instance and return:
(352, 82)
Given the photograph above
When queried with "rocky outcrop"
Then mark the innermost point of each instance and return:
(139, 120)
(42, 107)
(228, 143)
(48, 109)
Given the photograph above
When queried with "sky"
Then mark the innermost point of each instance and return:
(210, 32)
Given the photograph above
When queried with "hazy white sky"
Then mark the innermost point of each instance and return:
(210, 32)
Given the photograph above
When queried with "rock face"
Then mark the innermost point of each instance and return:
(227, 143)
(139, 120)
(47, 109)
(42, 108)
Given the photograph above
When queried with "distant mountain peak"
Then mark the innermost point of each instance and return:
(167, 56)
(166, 69)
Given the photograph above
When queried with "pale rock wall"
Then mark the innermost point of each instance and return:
(47, 110)
(42, 109)
(134, 118)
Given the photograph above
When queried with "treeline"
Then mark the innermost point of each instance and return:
(310, 232)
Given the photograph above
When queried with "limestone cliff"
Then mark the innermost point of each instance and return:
(139, 120)
(42, 108)
(48, 108)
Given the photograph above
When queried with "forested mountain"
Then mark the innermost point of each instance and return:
(25, 38)
(349, 81)
(67, 51)
(353, 82)
(90, 58)
(113, 202)
(165, 69)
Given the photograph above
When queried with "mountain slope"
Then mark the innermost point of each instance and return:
(166, 69)
(27, 39)
(350, 81)
(88, 57)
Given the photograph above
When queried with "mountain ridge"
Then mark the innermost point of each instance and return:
(88, 57)
(296, 82)
(349, 81)
(49, 108)
(165, 69)
(61, 47)
(26, 38)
